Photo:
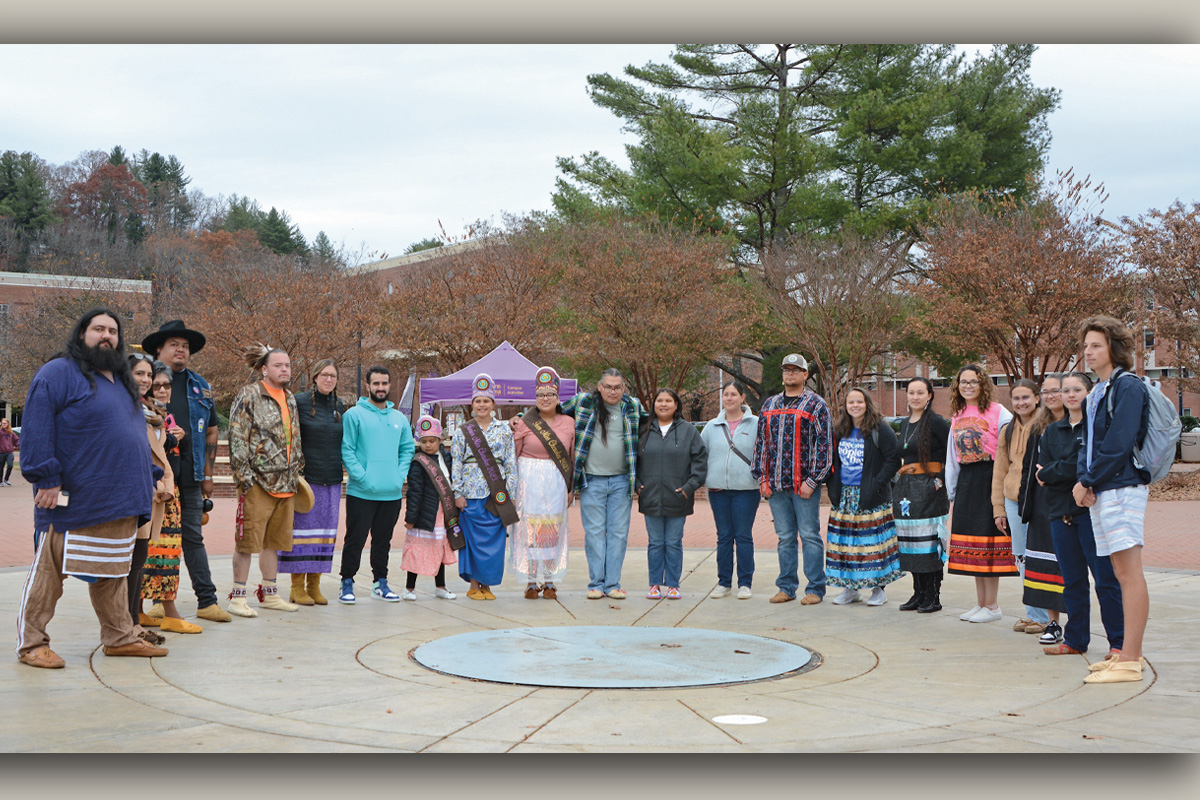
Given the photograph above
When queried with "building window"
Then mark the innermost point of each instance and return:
(3, 311)
(1149, 339)
(389, 288)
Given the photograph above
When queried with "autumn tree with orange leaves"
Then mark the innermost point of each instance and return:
(250, 294)
(1011, 278)
(653, 301)
(457, 304)
(1165, 245)
(837, 300)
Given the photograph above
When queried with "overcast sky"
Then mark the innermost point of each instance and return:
(375, 144)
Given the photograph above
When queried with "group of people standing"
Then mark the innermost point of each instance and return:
(1049, 493)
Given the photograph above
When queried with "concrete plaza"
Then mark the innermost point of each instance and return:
(340, 678)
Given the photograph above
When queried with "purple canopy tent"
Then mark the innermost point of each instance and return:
(512, 372)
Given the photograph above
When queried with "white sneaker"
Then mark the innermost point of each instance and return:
(408, 594)
(847, 596)
(719, 592)
(966, 617)
(444, 593)
(986, 615)
(878, 597)
(743, 593)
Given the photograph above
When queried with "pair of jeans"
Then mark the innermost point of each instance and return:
(605, 505)
(377, 517)
(1019, 531)
(734, 511)
(664, 553)
(1075, 547)
(191, 512)
(6, 466)
(794, 515)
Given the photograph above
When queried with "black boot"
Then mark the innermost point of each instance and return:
(919, 592)
(933, 597)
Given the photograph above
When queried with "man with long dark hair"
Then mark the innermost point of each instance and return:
(85, 441)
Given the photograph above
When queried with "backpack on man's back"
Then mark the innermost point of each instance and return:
(1156, 451)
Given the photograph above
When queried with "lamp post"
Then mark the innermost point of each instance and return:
(359, 375)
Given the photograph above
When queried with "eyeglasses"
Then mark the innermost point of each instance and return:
(1050, 392)
(541, 395)
(968, 383)
(142, 357)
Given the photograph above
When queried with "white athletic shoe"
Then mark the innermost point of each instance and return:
(986, 615)
(408, 594)
(878, 597)
(966, 616)
(444, 593)
(847, 597)
(719, 592)
(743, 593)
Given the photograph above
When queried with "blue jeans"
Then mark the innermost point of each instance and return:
(1019, 532)
(664, 553)
(793, 514)
(734, 511)
(191, 511)
(1075, 547)
(605, 505)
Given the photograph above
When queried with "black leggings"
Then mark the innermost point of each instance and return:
(438, 581)
(140, 548)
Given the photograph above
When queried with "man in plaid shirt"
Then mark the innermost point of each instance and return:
(792, 456)
(607, 423)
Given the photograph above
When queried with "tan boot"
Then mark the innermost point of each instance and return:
(299, 595)
(314, 589)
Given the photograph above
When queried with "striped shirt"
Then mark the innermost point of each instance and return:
(794, 444)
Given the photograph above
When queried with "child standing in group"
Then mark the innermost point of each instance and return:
(431, 511)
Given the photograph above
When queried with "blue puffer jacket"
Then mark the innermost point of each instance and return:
(1113, 441)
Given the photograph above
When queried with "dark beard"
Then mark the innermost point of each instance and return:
(104, 359)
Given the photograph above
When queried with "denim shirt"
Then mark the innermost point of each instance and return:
(200, 407)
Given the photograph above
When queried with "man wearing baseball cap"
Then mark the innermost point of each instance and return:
(792, 456)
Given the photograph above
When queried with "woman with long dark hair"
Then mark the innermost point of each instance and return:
(319, 412)
(920, 504)
(732, 490)
(1006, 488)
(977, 547)
(160, 578)
(672, 463)
(862, 551)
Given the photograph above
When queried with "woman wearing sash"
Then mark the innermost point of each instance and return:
(732, 490)
(484, 463)
(977, 547)
(430, 503)
(544, 441)
(920, 505)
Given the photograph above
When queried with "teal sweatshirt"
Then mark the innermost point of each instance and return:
(377, 449)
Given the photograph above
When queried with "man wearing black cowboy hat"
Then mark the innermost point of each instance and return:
(194, 410)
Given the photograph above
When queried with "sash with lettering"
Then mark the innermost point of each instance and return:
(553, 445)
(500, 502)
(454, 534)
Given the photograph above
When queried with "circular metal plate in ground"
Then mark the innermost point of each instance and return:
(610, 657)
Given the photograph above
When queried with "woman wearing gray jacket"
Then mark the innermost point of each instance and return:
(732, 490)
(670, 468)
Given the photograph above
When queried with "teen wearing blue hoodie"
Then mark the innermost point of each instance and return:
(377, 450)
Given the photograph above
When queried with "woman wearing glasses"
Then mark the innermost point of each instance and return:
(319, 412)
(977, 547)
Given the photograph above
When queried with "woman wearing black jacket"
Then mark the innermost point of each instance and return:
(862, 550)
(672, 464)
(1071, 528)
(319, 413)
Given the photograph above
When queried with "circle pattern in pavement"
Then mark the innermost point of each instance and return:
(610, 657)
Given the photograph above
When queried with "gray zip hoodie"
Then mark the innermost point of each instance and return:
(725, 469)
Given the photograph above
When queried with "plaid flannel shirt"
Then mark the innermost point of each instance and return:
(583, 407)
